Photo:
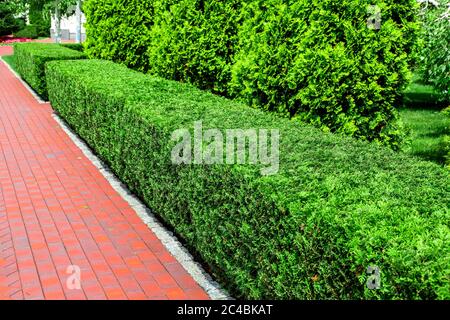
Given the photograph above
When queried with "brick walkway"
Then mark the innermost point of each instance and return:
(6, 50)
(58, 211)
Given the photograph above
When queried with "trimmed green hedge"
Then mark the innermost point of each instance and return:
(74, 46)
(318, 61)
(31, 58)
(336, 207)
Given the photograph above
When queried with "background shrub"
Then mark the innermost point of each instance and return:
(29, 31)
(8, 22)
(195, 41)
(319, 62)
(336, 206)
(39, 17)
(119, 31)
(434, 60)
(189, 40)
(30, 59)
(313, 60)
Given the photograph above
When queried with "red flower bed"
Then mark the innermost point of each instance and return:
(12, 39)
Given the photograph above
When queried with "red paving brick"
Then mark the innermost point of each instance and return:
(6, 50)
(58, 211)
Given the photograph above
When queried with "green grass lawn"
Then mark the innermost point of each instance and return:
(422, 114)
(421, 96)
(428, 130)
(11, 61)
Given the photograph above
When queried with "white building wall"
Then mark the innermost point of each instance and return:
(69, 27)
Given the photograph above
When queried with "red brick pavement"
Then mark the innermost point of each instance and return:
(6, 50)
(57, 211)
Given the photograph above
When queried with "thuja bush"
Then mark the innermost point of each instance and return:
(188, 40)
(195, 41)
(336, 206)
(119, 31)
(318, 61)
(340, 65)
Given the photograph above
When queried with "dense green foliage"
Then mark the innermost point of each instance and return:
(195, 41)
(336, 206)
(317, 61)
(119, 31)
(30, 61)
(29, 31)
(39, 17)
(8, 22)
(435, 56)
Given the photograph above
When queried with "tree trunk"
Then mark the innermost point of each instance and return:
(78, 14)
(57, 22)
